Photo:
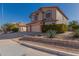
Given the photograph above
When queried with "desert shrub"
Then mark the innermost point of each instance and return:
(76, 33)
(60, 28)
(73, 25)
(51, 33)
(45, 28)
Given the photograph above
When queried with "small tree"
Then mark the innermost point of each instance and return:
(5, 28)
(9, 27)
(51, 33)
(73, 25)
(76, 33)
(60, 28)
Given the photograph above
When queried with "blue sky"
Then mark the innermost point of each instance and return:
(20, 12)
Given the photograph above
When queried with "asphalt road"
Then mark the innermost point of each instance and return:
(8, 47)
(15, 35)
(11, 48)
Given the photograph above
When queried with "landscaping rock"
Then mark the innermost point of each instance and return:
(55, 41)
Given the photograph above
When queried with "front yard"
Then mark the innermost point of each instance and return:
(64, 39)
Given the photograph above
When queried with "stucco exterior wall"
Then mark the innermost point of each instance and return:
(65, 21)
(28, 28)
(22, 29)
(40, 15)
(60, 18)
(47, 23)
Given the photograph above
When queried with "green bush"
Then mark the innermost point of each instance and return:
(73, 25)
(76, 33)
(15, 30)
(51, 33)
(60, 28)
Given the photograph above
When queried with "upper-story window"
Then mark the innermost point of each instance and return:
(35, 17)
(48, 14)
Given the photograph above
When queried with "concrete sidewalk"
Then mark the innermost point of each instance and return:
(53, 49)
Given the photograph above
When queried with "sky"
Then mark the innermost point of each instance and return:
(20, 12)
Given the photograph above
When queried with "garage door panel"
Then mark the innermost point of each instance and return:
(36, 28)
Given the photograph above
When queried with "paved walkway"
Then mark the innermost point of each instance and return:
(11, 48)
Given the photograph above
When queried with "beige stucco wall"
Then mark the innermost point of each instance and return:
(65, 21)
(60, 18)
(40, 16)
(47, 23)
(28, 28)
(22, 29)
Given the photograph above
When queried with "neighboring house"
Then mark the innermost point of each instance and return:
(46, 15)
(22, 27)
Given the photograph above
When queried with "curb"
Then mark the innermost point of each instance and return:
(44, 49)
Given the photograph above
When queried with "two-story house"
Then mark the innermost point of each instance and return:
(46, 15)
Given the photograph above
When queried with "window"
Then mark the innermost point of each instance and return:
(48, 14)
(35, 17)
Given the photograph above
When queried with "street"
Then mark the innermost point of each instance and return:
(11, 48)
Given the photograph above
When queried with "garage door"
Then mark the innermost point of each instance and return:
(36, 28)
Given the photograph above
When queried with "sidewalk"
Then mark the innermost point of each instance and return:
(53, 49)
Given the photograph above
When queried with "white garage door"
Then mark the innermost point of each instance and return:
(36, 28)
